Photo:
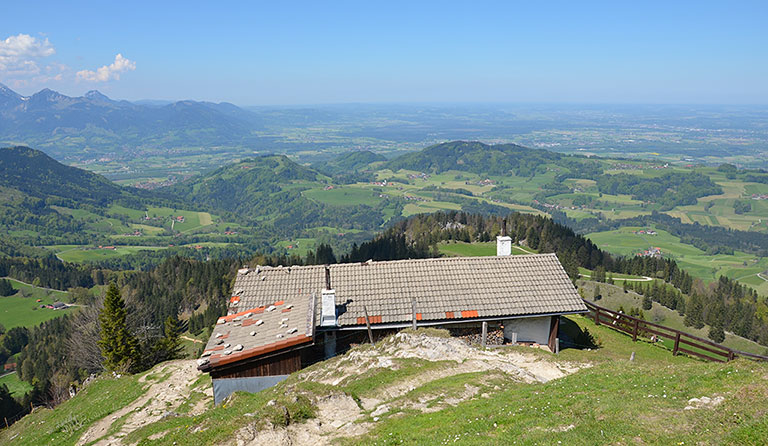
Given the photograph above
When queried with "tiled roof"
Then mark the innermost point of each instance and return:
(444, 289)
(456, 287)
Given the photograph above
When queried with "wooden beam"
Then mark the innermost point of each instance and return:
(368, 325)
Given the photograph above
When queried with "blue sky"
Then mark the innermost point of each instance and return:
(252, 53)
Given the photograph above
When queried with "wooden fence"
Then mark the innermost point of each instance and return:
(683, 342)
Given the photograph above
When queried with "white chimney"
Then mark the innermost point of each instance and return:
(329, 309)
(503, 242)
(503, 245)
(328, 317)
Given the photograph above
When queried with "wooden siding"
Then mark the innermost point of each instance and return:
(282, 364)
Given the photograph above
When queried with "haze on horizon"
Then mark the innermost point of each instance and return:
(313, 53)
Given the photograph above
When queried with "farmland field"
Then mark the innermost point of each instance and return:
(344, 196)
(77, 254)
(705, 266)
(20, 311)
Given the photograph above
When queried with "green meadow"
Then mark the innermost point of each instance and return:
(22, 308)
(89, 254)
(343, 196)
(17, 387)
(705, 266)
(463, 249)
(587, 407)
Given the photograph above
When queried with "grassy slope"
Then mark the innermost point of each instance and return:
(474, 249)
(65, 424)
(16, 386)
(614, 297)
(17, 311)
(613, 402)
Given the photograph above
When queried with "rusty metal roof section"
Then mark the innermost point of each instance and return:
(251, 331)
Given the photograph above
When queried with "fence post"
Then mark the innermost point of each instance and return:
(597, 316)
(677, 343)
(634, 332)
(731, 356)
(484, 338)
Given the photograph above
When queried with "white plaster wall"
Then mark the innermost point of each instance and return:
(529, 329)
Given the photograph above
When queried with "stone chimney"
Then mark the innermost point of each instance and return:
(504, 242)
(328, 318)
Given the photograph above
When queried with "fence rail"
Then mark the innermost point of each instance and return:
(683, 342)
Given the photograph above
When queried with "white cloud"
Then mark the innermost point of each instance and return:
(108, 72)
(19, 55)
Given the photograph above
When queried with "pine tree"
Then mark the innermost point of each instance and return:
(694, 310)
(170, 346)
(716, 332)
(647, 303)
(118, 346)
(6, 289)
(597, 296)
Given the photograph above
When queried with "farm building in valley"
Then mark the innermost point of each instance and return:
(284, 318)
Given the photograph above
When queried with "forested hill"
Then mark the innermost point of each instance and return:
(480, 158)
(345, 165)
(250, 188)
(37, 175)
(269, 189)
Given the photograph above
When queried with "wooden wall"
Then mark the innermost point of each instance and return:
(282, 364)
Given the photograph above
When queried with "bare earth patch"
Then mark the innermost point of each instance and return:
(340, 416)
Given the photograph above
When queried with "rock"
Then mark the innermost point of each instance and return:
(380, 410)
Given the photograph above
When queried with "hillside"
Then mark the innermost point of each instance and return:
(37, 175)
(476, 157)
(66, 209)
(271, 190)
(422, 388)
(349, 163)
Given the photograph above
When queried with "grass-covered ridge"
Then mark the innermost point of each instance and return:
(609, 400)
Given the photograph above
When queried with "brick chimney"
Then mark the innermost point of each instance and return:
(504, 242)
(328, 318)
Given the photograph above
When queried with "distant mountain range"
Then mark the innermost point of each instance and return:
(52, 121)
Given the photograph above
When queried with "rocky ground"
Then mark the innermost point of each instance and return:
(339, 415)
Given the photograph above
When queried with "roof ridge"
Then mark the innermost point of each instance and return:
(426, 260)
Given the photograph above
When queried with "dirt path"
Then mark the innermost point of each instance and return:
(34, 286)
(644, 279)
(187, 338)
(169, 385)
